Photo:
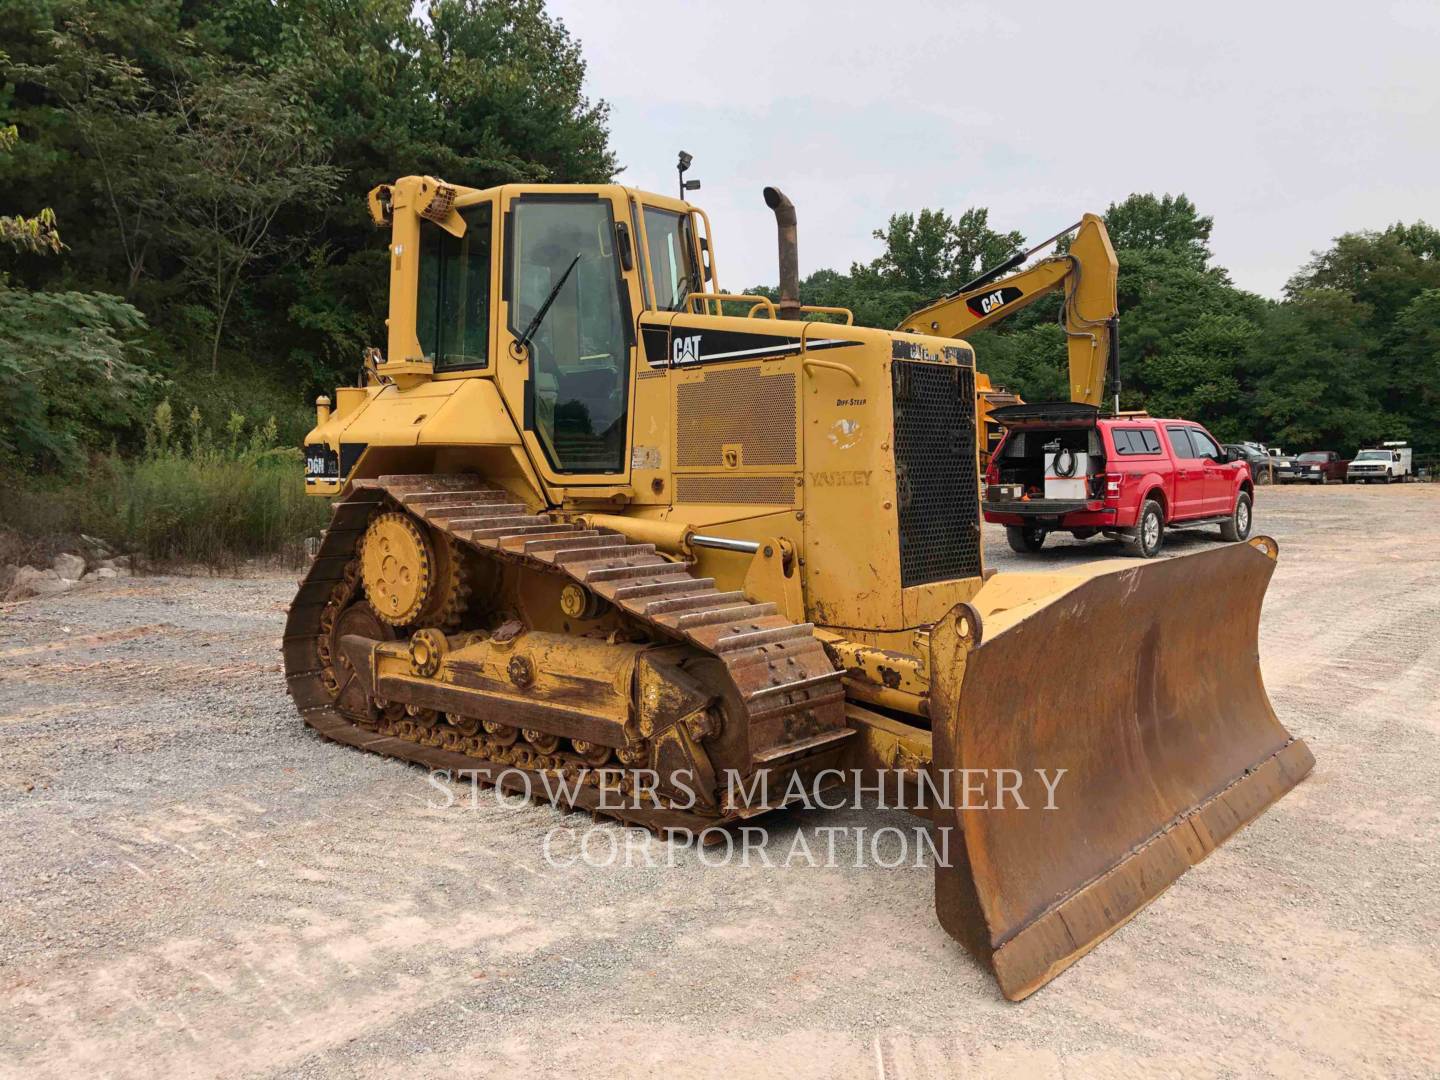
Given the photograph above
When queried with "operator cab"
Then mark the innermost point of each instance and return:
(539, 289)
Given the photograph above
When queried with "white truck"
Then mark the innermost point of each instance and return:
(1390, 462)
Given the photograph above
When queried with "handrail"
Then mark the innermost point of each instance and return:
(710, 247)
(821, 309)
(808, 362)
(756, 301)
(818, 309)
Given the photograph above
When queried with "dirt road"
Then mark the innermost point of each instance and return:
(193, 884)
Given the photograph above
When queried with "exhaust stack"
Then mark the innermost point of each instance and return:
(789, 304)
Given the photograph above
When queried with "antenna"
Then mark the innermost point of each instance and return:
(681, 166)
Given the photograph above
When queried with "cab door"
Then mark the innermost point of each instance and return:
(1189, 498)
(569, 295)
(1219, 473)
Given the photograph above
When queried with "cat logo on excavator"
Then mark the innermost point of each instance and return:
(551, 562)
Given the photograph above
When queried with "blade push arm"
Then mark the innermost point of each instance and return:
(1088, 275)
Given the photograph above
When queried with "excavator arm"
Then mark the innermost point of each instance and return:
(1087, 273)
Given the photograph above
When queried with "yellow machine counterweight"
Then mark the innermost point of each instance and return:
(597, 520)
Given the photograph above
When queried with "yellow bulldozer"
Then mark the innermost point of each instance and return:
(597, 521)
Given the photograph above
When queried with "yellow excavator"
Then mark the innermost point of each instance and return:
(596, 540)
(1087, 271)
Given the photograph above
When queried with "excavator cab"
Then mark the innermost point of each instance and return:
(595, 529)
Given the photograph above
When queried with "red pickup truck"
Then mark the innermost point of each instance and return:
(1061, 467)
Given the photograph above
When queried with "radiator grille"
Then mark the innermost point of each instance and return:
(937, 492)
(779, 490)
(736, 406)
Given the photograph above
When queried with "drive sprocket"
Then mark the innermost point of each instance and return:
(411, 575)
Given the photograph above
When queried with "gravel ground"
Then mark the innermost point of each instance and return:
(193, 884)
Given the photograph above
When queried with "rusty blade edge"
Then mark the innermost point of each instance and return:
(1046, 947)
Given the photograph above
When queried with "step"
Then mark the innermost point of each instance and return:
(579, 538)
(458, 511)
(501, 534)
(399, 483)
(597, 554)
(754, 638)
(676, 587)
(828, 678)
(717, 616)
(707, 599)
(429, 498)
(468, 524)
(620, 573)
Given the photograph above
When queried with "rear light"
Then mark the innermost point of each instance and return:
(1112, 485)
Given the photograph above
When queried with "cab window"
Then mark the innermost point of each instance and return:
(1180, 442)
(1204, 445)
(452, 313)
(667, 236)
(579, 345)
(1136, 440)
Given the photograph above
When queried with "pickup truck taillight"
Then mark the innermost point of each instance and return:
(1112, 486)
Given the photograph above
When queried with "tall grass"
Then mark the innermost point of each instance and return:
(214, 498)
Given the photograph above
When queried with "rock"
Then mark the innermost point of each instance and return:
(69, 565)
(96, 550)
(120, 562)
(31, 582)
(103, 573)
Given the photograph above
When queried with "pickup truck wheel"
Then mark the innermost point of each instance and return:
(1026, 539)
(1238, 527)
(1150, 530)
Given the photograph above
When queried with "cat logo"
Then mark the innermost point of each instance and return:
(993, 301)
(685, 350)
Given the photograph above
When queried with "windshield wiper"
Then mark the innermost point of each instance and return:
(544, 309)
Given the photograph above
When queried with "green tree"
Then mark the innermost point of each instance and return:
(37, 234)
(112, 111)
(1319, 391)
(931, 253)
(108, 92)
(51, 343)
(1413, 348)
(245, 153)
(1143, 222)
(1385, 280)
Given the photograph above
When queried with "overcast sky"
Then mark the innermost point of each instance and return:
(1288, 122)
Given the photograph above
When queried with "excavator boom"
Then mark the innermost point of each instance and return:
(1088, 274)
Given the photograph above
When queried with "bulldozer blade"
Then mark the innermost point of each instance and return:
(1142, 684)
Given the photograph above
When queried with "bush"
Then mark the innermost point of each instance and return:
(194, 496)
(68, 379)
